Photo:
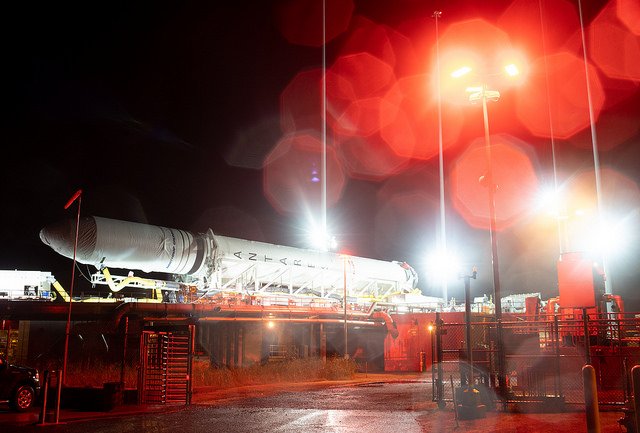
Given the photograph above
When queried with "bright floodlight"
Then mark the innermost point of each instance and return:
(322, 241)
(461, 71)
(511, 70)
(442, 266)
(333, 243)
(609, 238)
(549, 200)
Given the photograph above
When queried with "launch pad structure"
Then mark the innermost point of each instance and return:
(241, 302)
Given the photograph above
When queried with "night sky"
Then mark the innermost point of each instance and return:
(169, 114)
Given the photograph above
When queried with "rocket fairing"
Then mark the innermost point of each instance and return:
(219, 261)
(128, 245)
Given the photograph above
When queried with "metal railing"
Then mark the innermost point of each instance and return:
(540, 360)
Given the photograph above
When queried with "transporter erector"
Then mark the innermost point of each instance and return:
(215, 263)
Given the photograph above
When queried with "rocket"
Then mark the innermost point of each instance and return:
(222, 262)
(128, 245)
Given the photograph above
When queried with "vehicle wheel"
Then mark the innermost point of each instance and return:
(23, 398)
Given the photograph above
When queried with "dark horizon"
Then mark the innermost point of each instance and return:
(169, 115)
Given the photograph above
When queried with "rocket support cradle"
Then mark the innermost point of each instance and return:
(221, 263)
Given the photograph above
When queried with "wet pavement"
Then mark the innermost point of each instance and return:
(376, 403)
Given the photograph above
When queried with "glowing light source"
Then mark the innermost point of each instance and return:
(611, 237)
(442, 265)
(511, 70)
(271, 324)
(548, 200)
(615, 232)
(321, 240)
(461, 71)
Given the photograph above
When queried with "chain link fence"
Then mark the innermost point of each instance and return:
(538, 363)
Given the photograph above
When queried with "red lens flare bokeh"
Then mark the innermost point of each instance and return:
(612, 47)
(620, 195)
(368, 75)
(370, 158)
(540, 27)
(355, 84)
(409, 120)
(300, 21)
(482, 41)
(361, 117)
(382, 41)
(301, 102)
(554, 100)
(629, 13)
(513, 173)
(292, 176)
(366, 36)
(405, 203)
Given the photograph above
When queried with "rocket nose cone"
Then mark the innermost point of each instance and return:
(60, 237)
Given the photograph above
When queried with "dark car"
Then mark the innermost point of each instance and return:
(19, 386)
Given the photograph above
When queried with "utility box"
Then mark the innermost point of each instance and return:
(580, 281)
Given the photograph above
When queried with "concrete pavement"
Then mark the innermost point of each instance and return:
(207, 396)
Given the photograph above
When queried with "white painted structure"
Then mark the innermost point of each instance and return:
(223, 264)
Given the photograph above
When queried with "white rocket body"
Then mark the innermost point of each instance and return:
(225, 263)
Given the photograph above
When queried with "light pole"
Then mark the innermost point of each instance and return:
(345, 259)
(493, 95)
(63, 377)
(443, 231)
(467, 321)
(489, 182)
(483, 94)
(76, 196)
